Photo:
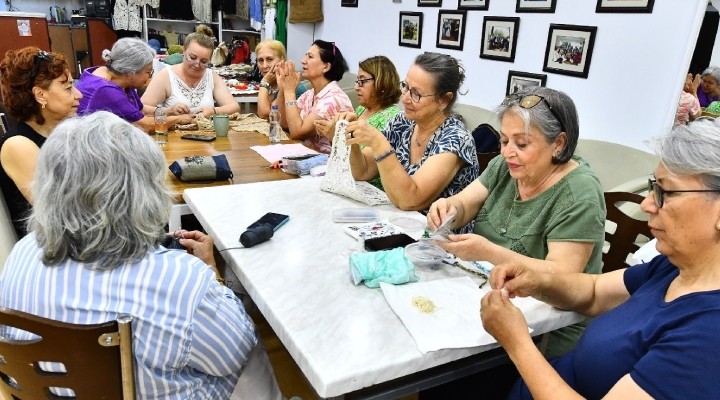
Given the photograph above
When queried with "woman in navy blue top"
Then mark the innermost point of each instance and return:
(655, 331)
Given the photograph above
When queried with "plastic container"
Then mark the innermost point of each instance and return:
(425, 254)
(161, 127)
(275, 129)
(354, 215)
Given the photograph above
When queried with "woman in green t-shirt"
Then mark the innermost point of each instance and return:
(536, 204)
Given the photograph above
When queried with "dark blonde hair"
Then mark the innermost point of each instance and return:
(203, 36)
(16, 86)
(387, 79)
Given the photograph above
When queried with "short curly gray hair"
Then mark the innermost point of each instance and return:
(128, 55)
(100, 193)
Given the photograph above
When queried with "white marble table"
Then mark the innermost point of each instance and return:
(343, 337)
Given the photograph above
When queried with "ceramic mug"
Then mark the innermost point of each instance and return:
(221, 123)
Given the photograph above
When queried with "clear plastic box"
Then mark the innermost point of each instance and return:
(354, 215)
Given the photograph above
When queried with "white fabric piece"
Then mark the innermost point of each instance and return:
(201, 10)
(127, 16)
(339, 179)
(257, 379)
(644, 254)
(269, 30)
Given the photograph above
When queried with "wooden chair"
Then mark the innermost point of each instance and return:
(98, 358)
(628, 232)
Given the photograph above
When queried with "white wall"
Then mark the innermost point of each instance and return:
(636, 74)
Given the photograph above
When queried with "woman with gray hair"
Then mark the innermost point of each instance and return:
(113, 87)
(705, 86)
(425, 152)
(94, 252)
(538, 203)
(654, 328)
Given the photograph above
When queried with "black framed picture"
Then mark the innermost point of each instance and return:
(624, 6)
(535, 6)
(451, 29)
(348, 3)
(569, 49)
(518, 80)
(473, 4)
(429, 3)
(499, 38)
(410, 29)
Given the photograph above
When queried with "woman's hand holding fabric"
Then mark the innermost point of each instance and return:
(178, 109)
(439, 211)
(360, 132)
(467, 246)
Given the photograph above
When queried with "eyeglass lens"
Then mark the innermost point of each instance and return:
(657, 192)
(361, 82)
(415, 96)
(531, 101)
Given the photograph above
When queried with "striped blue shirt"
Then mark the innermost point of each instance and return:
(191, 335)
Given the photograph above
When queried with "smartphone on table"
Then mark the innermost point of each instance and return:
(275, 220)
(388, 242)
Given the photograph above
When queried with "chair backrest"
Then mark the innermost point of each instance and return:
(8, 237)
(623, 234)
(98, 359)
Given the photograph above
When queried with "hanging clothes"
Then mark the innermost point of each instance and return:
(281, 22)
(256, 14)
(151, 3)
(269, 26)
(242, 9)
(126, 16)
(202, 10)
(177, 9)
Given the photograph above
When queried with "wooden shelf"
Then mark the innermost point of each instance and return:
(181, 21)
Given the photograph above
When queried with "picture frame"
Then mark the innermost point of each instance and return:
(499, 38)
(410, 29)
(569, 49)
(518, 80)
(624, 6)
(535, 6)
(348, 3)
(473, 4)
(429, 3)
(451, 29)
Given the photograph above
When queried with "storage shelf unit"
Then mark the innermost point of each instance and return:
(187, 26)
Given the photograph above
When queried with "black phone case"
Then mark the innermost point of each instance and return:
(275, 220)
(388, 242)
(202, 138)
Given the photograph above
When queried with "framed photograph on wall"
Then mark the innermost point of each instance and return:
(473, 4)
(429, 3)
(451, 29)
(410, 29)
(569, 49)
(518, 80)
(535, 6)
(499, 38)
(624, 6)
(348, 3)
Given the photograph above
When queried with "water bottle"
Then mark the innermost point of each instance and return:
(275, 129)
(160, 125)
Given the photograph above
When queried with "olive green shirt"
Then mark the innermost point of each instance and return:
(572, 210)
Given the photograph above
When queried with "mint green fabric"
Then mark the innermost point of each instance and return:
(572, 210)
(713, 107)
(379, 121)
(389, 266)
(173, 59)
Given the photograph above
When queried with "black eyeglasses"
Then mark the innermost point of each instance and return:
(659, 193)
(41, 55)
(415, 96)
(361, 82)
(530, 101)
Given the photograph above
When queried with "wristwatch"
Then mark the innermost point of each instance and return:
(265, 85)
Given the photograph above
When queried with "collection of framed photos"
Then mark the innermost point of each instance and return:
(569, 47)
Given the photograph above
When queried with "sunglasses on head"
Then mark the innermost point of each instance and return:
(39, 57)
(530, 101)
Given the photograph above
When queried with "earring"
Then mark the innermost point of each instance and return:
(42, 105)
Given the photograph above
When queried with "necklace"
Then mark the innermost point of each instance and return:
(503, 229)
(417, 133)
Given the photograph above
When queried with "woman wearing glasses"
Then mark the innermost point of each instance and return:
(323, 65)
(537, 204)
(655, 327)
(191, 87)
(425, 152)
(113, 87)
(378, 90)
(38, 91)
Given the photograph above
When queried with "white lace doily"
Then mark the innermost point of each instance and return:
(339, 179)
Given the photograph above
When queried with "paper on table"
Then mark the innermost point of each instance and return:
(275, 152)
(455, 323)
